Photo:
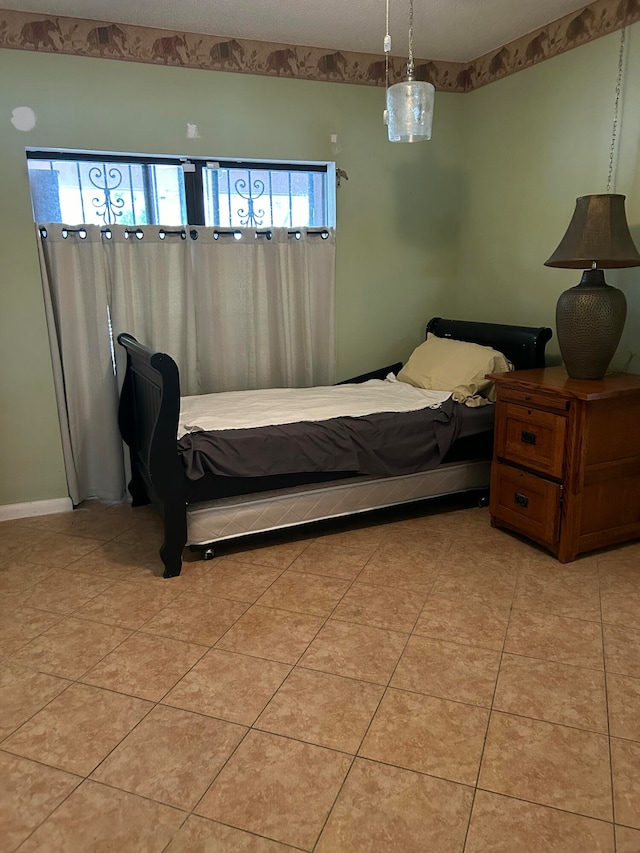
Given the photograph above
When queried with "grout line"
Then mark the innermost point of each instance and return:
(606, 697)
(491, 712)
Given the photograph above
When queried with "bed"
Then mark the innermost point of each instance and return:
(218, 503)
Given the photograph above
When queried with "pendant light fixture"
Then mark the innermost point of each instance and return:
(409, 112)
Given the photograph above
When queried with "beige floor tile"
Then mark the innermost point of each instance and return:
(145, 666)
(403, 566)
(65, 591)
(98, 818)
(23, 693)
(622, 650)
(488, 583)
(17, 544)
(624, 706)
(620, 602)
(321, 558)
(427, 734)
(432, 533)
(448, 670)
(199, 835)
(90, 521)
(230, 579)
(278, 635)
(548, 764)
(304, 593)
(551, 764)
(323, 709)
(59, 550)
(21, 575)
(488, 545)
(172, 756)
(381, 607)
(366, 536)
(228, 685)
(29, 792)
(555, 638)
(540, 563)
(555, 692)
(78, 728)
(276, 556)
(119, 561)
(196, 618)
(464, 619)
(561, 594)
(19, 626)
(128, 605)
(627, 840)
(625, 763)
(622, 560)
(277, 787)
(382, 808)
(70, 647)
(355, 651)
(504, 825)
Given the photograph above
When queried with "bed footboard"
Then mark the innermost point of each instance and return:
(148, 420)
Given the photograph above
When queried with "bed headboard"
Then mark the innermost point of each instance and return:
(522, 345)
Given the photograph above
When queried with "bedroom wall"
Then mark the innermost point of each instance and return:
(398, 214)
(535, 142)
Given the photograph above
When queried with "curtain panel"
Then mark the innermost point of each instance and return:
(236, 311)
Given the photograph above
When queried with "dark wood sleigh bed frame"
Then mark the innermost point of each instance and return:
(148, 420)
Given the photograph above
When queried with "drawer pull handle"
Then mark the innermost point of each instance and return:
(521, 500)
(528, 437)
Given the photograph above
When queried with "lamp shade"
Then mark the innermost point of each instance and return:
(410, 111)
(598, 235)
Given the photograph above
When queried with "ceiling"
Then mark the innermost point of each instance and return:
(453, 30)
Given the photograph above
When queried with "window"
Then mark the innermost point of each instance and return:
(107, 189)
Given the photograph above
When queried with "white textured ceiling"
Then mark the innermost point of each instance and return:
(455, 30)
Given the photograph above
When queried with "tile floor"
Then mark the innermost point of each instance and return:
(416, 683)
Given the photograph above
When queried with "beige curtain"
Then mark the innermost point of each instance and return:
(265, 308)
(236, 311)
(75, 284)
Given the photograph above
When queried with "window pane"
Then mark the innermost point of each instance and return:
(264, 198)
(107, 193)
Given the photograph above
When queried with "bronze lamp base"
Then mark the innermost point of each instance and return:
(589, 321)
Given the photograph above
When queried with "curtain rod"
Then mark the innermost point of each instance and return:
(163, 233)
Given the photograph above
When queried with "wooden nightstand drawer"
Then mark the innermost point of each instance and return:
(535, 399)
(526, 503)
(531, 438)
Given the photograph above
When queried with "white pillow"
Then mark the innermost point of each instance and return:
(443, 364)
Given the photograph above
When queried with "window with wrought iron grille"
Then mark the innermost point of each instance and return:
(107, 189)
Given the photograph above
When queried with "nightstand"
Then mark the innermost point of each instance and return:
(566, 466)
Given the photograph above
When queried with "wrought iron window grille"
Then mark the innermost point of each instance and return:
(131, 191)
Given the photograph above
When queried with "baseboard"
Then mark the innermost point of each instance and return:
(30, 508)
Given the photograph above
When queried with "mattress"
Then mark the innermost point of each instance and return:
(228, 518)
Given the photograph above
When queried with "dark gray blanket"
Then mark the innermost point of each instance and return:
(384, 444)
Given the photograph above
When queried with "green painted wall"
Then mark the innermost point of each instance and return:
(398, 214)
(460, 226)
(534, 142)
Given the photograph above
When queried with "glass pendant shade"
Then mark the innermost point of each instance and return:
(410, 110)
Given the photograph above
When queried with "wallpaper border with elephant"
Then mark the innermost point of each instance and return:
(53, 34)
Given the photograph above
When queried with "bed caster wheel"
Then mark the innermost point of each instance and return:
(209, 554)
(483, 501)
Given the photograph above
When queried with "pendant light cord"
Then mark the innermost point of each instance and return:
(616, 109)
(387, 49)
(410, 62)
